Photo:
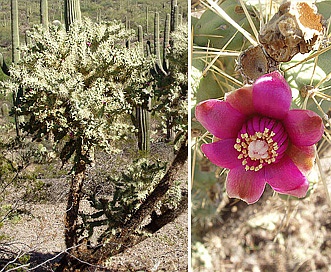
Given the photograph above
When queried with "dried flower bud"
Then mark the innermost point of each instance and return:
(254, 62)
(295, 28)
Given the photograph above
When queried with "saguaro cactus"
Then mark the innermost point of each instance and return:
(3, 65)
(44, 13)
(157, 51)
(72, 12)
(15, 53)
(174, 15)
(147, 23)
(161, 67)
(166, 41)
(14, 32)
(143, 114)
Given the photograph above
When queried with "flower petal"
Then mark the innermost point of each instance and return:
(246, 185)
(219, 118)
(272, 95)
(302, 156)
(304, 127)
(222, 153)
(285, 178)
(241, 100)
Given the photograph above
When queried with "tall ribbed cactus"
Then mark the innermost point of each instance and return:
(157, 51)
(44, 13)
(174, 15)
(161, 67)
(3, 65)
(14, 32)
(15, 54)
(171, 25)
(166, 41)
(147, 23)
(143, 115)
(72, 12)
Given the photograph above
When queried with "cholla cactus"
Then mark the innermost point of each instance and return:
(76, 93)
(70, 91)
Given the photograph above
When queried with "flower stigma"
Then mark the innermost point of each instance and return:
(258, 150)
(260, 142)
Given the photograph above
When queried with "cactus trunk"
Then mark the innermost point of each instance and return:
(174, 15)
(44, 13)
(157, 52)
(143, 115)
(147, 26)
(72, 12)
(3, 65)
(14, 32)
(15, 55)
(166, 42)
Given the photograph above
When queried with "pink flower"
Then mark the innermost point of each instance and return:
(260, 139)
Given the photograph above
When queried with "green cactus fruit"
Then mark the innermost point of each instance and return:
(324, 8)
(194, 20)
(213, 31)
(207, 86)
(206, 191)
(212, 84)
(299, 79)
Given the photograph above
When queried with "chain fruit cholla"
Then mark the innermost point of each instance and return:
(260, 139)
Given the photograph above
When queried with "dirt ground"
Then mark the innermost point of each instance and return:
(41, 235)
(39, 232)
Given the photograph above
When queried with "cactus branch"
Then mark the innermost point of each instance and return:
(143, 114)
(166, 42)
(157, 43)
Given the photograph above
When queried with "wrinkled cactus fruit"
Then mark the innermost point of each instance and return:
(213, 31)
(295, 28)
(254, 62)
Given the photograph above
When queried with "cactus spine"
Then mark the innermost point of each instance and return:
(44, 13)
(72, 12)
